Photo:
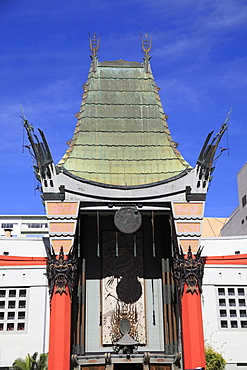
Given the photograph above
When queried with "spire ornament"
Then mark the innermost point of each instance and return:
(94, 43)
(146, 47)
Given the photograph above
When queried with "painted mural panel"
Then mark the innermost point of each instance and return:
(188, 209)
(58, 243)
(122, 286)
(188, 227)
(186, 243)
(62, 227)
(64, 208)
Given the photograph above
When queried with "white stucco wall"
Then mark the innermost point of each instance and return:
(23, 247)
(224, 246)
(18, 343)
(231, 342)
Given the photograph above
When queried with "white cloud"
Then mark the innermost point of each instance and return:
(226, 14)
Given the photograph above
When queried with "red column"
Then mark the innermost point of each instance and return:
(192, 331)
(60, 328)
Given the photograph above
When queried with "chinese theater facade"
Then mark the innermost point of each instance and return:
(124, 210)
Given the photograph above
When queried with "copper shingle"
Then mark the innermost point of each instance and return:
(122, 137)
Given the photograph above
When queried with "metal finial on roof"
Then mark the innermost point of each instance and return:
(146, 45)
(94, 44)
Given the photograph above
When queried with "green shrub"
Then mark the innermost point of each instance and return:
(33, 362)
(214, 360)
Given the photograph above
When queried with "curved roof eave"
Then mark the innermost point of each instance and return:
(124, 187)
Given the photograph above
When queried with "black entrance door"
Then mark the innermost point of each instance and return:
(128, 366)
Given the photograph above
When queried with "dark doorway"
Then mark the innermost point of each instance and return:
(129, 366)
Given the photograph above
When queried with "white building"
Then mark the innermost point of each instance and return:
(24, 300)
(26, 226)
(237, 224)
(225, 298)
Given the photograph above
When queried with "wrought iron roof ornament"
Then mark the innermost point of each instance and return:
(61, 272)
(146, 47)
(189, 270)
(94, 43)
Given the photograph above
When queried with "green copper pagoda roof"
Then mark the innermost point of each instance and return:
(122, 137)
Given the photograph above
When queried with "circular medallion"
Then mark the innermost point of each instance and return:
(128, 220)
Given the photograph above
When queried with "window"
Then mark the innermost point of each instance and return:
(222, 302)
(241, 302)
(2, 304)
(21, 315)
(21, 326)
(243, 324)
(35, 225)
(240, 291)
(13, 310)
(223, 324)
(22, 304)
(244, 201)
(222, 313)
(11, 304)
(232, 302)
(11, 315)
(221, 291)
(7, 225)
(10, 327)
(242, 313)
(233, 316)
(22, 293)
(233, 313)
(234, 324)
(12, 293)
(2, 293)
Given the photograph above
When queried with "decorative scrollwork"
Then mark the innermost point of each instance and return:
(189, 270)
(61, 272)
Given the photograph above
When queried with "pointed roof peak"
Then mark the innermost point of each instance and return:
(122, 136)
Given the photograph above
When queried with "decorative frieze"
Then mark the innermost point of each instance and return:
(188, 217)
(62, 221)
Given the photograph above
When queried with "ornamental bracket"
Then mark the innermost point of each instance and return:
(61, 272)
(189, 270)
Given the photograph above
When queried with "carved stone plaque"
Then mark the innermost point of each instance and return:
(128, 220)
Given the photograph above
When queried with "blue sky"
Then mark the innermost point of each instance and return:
(199, 60)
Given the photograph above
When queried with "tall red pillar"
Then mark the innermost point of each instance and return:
(192, 330)
(60, 329)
